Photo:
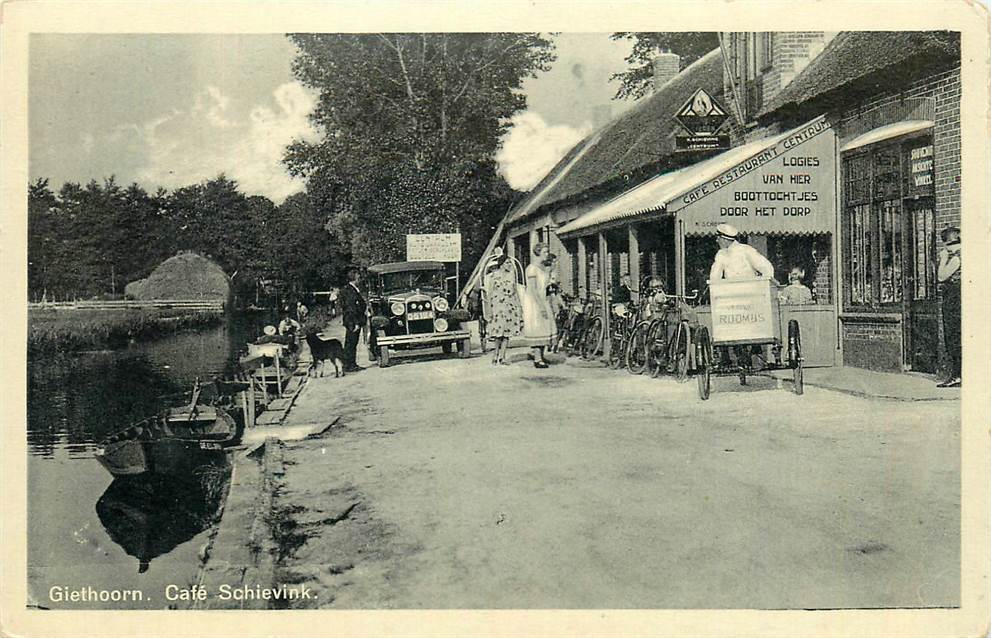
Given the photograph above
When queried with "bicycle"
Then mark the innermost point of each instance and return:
(590, 339)
(656, 345)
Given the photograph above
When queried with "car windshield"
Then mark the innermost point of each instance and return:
(413, 279)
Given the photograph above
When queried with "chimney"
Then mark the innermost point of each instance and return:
(666, 66)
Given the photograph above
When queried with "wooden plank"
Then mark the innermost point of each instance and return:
(270, 417)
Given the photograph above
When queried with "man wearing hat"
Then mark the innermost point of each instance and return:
(737, 261)
(948, 273)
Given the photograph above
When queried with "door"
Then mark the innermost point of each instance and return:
(922, 320)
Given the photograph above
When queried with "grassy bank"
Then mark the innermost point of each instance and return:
(68, 330)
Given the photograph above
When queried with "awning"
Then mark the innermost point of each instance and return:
(689, 188)
(882, 133)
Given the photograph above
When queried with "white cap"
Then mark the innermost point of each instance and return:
(727, 231)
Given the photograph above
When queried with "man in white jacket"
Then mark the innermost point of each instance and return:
(737, 261)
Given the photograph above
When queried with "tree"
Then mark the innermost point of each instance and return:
(409, 122)
(636, 82)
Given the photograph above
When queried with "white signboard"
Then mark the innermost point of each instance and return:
(742, 310)
(434, 247)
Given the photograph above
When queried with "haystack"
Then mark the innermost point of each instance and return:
(185, 276)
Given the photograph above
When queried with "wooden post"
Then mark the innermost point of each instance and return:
(634, 255)
(278, 375)
(679, 257)
(264, 384)
(582, 267)
(604, 291)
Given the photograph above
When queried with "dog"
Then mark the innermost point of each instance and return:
(326, 350)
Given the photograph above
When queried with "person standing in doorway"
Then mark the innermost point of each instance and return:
(538, 320)
(353, 307)
(948, 273)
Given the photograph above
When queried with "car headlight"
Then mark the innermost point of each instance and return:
(441, 304)
(440, 325)
(398, 308)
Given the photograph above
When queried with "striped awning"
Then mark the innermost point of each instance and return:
(671, 191)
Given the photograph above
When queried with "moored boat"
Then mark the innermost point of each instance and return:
(174, 442)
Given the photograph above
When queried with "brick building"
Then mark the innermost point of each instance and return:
(844, 161)
(894, 101)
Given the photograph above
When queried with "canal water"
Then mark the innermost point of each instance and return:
(86, 530)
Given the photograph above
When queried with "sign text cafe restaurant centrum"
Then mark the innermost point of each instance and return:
(780, 192)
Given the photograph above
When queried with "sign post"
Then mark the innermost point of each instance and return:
(445, 247)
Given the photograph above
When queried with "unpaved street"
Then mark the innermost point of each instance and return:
(456, 484)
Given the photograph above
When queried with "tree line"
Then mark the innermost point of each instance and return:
(90, 240)
(410, 125)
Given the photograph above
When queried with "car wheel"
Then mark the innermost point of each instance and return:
(447, 346)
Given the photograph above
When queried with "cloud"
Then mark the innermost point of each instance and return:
(532, 147)
(212, 134)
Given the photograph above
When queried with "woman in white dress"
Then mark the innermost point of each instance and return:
(538, 319)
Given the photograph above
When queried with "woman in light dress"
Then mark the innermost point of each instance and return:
(538, 318)
(503, 315)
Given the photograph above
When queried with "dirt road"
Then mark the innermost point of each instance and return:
(455, 484)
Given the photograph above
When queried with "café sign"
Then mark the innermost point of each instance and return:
(787, 188)
(702, 117)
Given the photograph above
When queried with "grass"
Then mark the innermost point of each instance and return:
(67, 330)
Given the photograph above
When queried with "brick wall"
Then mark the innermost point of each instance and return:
(791, 52)
(935, 97)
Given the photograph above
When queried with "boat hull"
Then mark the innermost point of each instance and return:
(170, 448)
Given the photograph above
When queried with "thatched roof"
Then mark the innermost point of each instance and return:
(634, 147)
(185, 276)
(869, 62)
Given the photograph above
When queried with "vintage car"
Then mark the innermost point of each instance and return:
(410, 310)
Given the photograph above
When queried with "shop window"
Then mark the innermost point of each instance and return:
(891, 252)
(888, 226)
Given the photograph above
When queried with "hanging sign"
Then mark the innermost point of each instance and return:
(434, 247)
(922, 166)
(787, 188)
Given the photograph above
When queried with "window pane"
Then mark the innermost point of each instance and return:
(891, 252)
(924, 250)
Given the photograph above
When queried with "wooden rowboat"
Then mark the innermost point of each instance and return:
(175, 442)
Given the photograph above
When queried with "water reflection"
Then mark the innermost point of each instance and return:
(149, 516)
(84, 530)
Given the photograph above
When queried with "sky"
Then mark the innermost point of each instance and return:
(172, 110)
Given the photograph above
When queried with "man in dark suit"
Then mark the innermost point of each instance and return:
(353, 307)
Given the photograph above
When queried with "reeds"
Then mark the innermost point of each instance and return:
(67, 330)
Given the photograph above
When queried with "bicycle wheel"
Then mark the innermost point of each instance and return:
(795, 355)
(591, 342)
(680, 345)
(617, 344)
(637, 349)
(657, 347)
(703, 361)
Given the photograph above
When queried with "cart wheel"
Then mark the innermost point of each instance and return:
(681, 343)
(638, 349)
(384, 357)
(703, 359)
(446, 347)
(591, 343)
(795, 355)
